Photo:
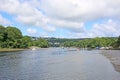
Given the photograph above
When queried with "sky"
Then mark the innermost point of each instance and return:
(62, 18)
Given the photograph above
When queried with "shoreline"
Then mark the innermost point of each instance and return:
(10, 50)
(114, 59)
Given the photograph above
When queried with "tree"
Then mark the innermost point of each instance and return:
(117, 43)
(12, 37)
(90, 43)
(26, 42)
(2, 36)
(13, 33)
(41, 43)
(2, 33)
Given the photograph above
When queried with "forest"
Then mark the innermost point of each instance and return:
(97, 42)
(11, 37)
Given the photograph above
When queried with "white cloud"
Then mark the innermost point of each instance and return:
(26, 13)
(31, 31)
(3, 21)
(16, 7)
(108, 28)
(81, 9)
(68, 25)
(70, 15)
(44, 34)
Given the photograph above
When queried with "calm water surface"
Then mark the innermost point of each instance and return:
(56, 64)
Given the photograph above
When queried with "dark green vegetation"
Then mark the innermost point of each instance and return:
(85, 42)
(56, 42)
(11, 37)
(111, 42)
(94, 43)
(116, 44)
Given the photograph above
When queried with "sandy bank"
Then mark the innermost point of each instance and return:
(114, 57)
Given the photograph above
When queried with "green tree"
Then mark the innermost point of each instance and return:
(2, 36)
(2, 33)
(90, 43)
(116, 44)
(26, 42)
(13, 33)
(118, 41)
(41, 43)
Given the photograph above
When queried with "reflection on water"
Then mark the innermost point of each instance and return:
(56, 64)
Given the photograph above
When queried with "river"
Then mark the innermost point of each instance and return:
(56, 64)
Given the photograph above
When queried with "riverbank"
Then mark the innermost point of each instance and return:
(113, 57)
(10, 50)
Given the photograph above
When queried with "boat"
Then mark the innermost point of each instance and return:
(33, 49)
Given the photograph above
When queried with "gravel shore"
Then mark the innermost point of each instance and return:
(114, 57)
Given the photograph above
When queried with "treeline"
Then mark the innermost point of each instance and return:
(56, 42)
(93, 43)
(11, 37)
(116, 44)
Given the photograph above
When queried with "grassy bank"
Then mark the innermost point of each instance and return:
(10, 50)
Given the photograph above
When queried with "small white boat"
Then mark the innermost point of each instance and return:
(33, 49)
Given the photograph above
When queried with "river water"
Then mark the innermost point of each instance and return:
(56, 64)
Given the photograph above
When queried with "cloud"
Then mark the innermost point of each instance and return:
(108, 28)
(16, 7)
(30, 15)
(3, 20)
(81, 9)
(70, 15)
(68, 25)
(31, 31)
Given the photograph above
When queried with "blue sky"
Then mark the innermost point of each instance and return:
(62, 18)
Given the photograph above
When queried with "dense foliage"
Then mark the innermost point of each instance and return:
(85, 42)
(11, 37)
(40, 42)
(92, 43)
(56, 42)
(116, 44)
